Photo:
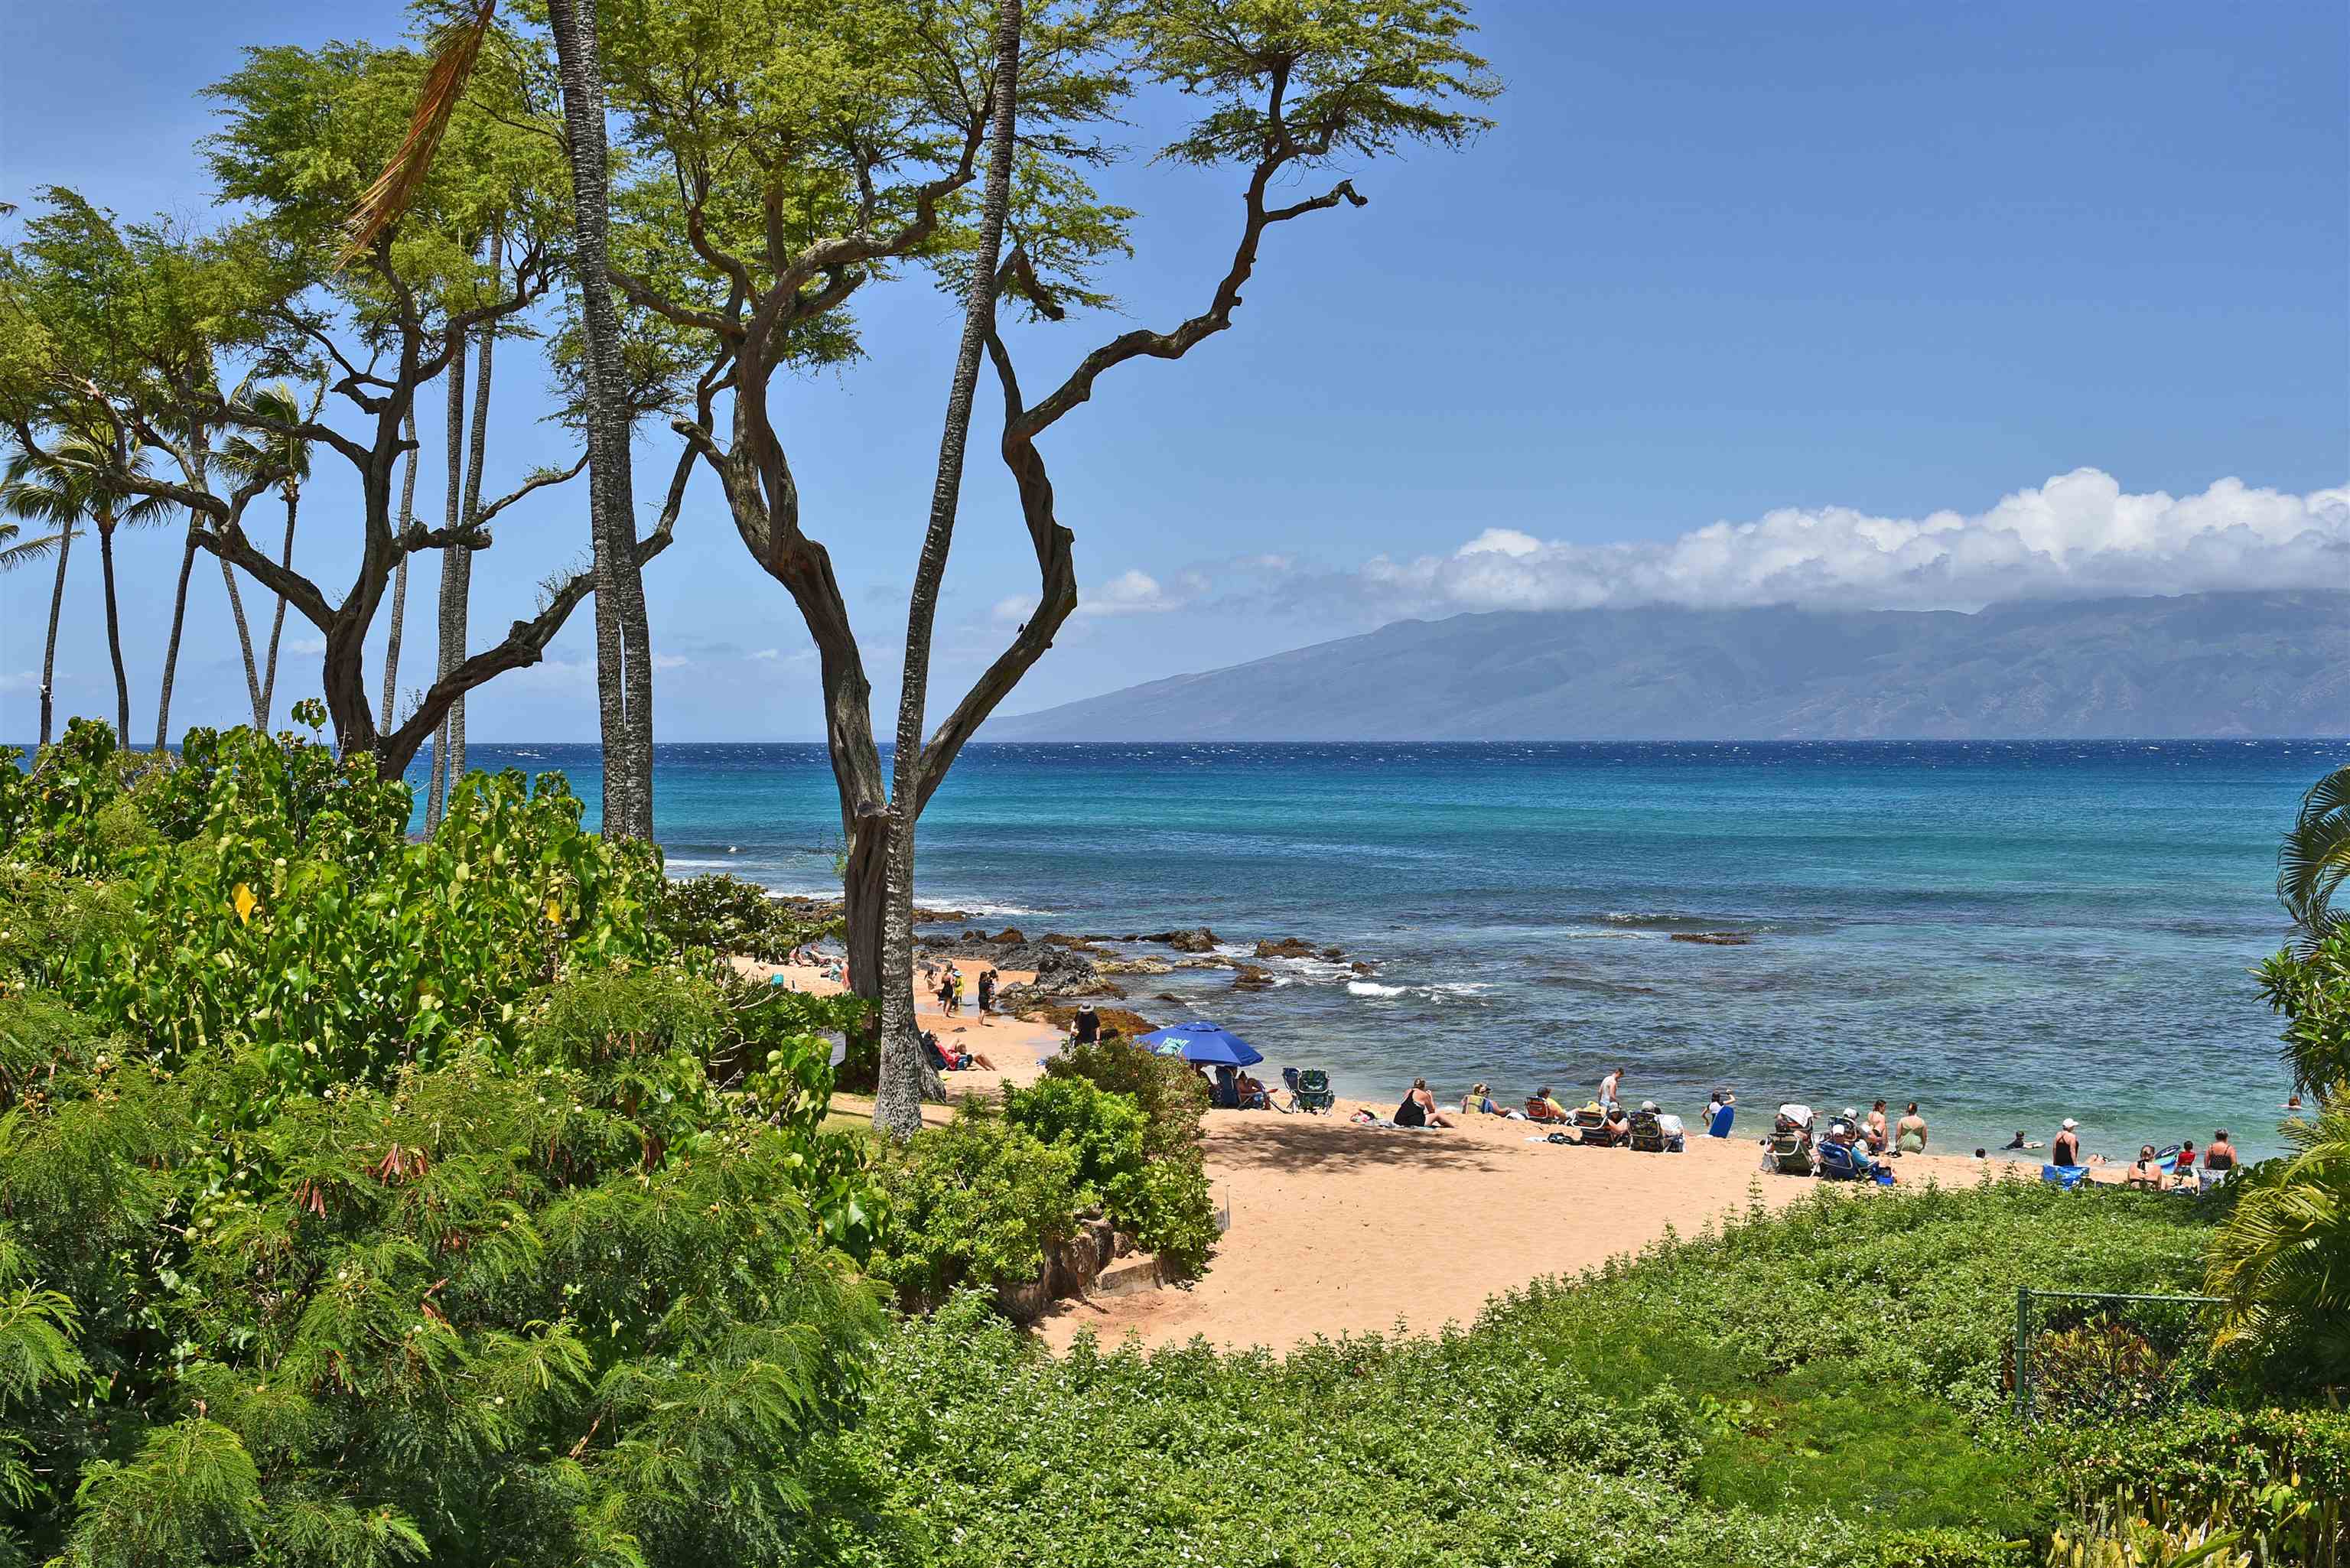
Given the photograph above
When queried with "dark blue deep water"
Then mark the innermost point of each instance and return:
(2007, 932)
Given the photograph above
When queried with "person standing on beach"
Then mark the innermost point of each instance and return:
(987, 994)
(1910, 1132)
(1087, 1025)
(2067, 1150)
(1608, 1087)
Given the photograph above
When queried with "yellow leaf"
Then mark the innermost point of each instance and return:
(245, 903)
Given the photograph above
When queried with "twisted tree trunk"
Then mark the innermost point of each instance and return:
(50, 651)
(624, 687)
(399, 584)
(905, 1069)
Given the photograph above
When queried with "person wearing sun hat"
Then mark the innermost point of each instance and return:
(2067, 1150)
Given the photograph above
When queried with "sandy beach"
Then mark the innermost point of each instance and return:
(1341, 1228)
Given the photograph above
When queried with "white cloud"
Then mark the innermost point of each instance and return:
(306, 645)
(670, 661)
(1129, 593)
(2076, 537)
(768, 653)
(1014, 610)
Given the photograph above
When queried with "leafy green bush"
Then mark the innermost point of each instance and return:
(1171, 1097)
(2281, 1476)
(275, 902)
(972, 1203)
(484, 1316)
(1162, 1197)
(723, 914)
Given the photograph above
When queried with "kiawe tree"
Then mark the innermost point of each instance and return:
(790, 156)
(153, 335)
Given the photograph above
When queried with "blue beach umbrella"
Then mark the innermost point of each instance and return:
(1201, 1043)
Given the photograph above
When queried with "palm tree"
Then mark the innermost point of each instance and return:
(16, 552)
(2315, 857)
(400, 582)
(83, 477)
(290, 457)
(2282, 1258)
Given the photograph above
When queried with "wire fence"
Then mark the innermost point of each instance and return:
(2086, 1356)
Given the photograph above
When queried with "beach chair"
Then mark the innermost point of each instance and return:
(1648, 1134)
(1538, 1110)
(1310, 1090)
(1791, 1141)
(1591, 1127)
(1843, 1162)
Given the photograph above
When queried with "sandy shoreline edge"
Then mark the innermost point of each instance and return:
(1339, 1228)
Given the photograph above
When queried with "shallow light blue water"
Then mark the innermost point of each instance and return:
(2007, 932)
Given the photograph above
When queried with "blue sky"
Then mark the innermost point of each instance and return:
(1857, 281)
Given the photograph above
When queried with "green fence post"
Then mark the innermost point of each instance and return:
(2022, 1354)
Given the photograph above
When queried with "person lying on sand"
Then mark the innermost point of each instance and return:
(2146, 1172)
(1419, 1108)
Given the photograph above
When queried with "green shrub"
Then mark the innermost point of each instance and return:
(1102, 1133)
(723, 914)
(2281, 1476)
(1171, 1094)
(972, 1203)
(1164, 1202)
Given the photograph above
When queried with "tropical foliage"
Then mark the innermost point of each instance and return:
(364, 1201)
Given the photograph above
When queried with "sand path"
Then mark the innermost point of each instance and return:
(1338, 1228)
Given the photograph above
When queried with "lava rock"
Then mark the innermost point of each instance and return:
(1199, 939)
(1252, 977)
(1715, 939)
(1287, 946)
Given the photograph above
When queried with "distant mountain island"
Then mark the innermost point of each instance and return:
(2226, 664)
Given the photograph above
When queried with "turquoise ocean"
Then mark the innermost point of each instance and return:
(2008, 933)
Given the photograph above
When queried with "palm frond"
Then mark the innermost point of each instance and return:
(2315, 857)
(16, 552)
(453, 54)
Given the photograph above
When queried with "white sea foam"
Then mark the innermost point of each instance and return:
(1373, 988)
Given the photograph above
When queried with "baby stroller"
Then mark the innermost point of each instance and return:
(1310, 1090)
(1647, 1135)
(1791, 1141)
(1591, 1127)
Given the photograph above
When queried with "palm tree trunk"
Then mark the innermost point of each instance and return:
(113, 627)
(171, 648)
(452, 634)
(244, 644)
(49, 651)
(277, 619)
(400, 583)
(623, 651)
(898, 1099)
(463, 577)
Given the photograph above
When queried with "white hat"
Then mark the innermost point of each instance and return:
(2070, 1123)
(1850, 1112)
(1648, 1105)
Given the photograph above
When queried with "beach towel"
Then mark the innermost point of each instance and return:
(2067, 1176)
